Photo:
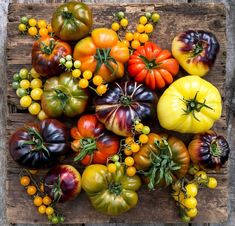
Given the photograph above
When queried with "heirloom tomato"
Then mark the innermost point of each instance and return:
(209, 150)
(153, 66)
(46, 54)
(38, 146)
(189, 105)
(72, 21)
(196, 51)
(102, 54)
(62, 183)
(110, 193)
(93, 142)
(123, 103)
(62, 95)
(163, 159)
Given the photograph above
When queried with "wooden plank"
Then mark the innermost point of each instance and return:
(188, 15)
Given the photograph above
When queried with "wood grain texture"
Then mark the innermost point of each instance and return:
(210, 17)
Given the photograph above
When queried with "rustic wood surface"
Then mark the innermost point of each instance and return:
(216, 23)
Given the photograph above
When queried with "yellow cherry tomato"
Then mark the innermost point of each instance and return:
(47, 200)
(127, 151)
(190, 202)
(25, 181)
(25, 84)
(124, 22)
(49, 28)
(191, 190)
(140, 28)
(42, 115)
(202, 176)
(135, 44)
(22, 27)
(155, 17)
(148, 28)
(129, 140)
(36, 93)
(76, 73)
(43, 32)
(101, 89)
(129, 161)
(131, 171)
(42, 209)
(49, 210)
(83, 83)
(97, 80)
(139, 127)
(135, 147)
(31, 190)
(143, 20)
(212, 182)
(42, 24)
(143, 38)
(37, 201)
(129, 36)
(25, 101)
(115, 26)
(192, 212)
(126, 43)
(32, 22)
(112, 168)
(33, 31)
(34, 74)
(36, 83)
(136, 35)
(34, 108)
(143, 138)
(87, 74)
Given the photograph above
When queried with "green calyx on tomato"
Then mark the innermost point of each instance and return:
(193, 105)
(150, 64)
(162, 165)
(115, 188)
(48, 49)
(103, 57)
(125, 100)
(87, 147)
(214, 149)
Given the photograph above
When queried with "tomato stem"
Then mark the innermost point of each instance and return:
(47, 49)
(125, 100)
(214, 150)
(67, 15)
(115, 188)
(150, 64)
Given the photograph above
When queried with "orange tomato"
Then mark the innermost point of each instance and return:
(102, 54)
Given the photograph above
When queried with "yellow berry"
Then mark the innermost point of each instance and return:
(43, 32)
(42, 24)
(46, 200)
(97, 80)
(32, 31)
(49, 28)
(25, 101)
(191, 190)
(42, 209)
(139, 127)
(136, 35)
(36, 93)
(25, 84)
(124, 22)
(126, 43)
(131, 171)
(143, 20)
(212, 182)
(148, 28)
(76, 73)
(192, 212)
(115, 26)
(34, 108)
(135, 147)
(42, 115)
(87, 74)
(22, 27)
(83, 83)
(36, 83)
(155, 17)
(32, 22)
(140, 28)
(129, 140)
(49, 210)
(143, 138)
(34, 74)
(143, 38)
(37, 201)
(135, 44)
(101, 89)
(127, 151)
(112, 168)
(129, 161)
(129, 36)
(31, 190)
(25, 181)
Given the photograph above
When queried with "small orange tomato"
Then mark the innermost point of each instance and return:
(25, 181)
(43, 32)
(31, 190)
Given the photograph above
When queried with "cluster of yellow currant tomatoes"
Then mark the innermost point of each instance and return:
(185, 193)
(84, 77)
(28, 86)
(34, 27)
(130, 147)
(144, 28)
(41, 200)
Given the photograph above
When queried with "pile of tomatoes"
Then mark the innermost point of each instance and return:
(104, 96)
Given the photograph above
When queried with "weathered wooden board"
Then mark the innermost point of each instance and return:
(153, 207)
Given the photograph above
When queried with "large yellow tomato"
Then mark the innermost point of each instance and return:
(189, 105)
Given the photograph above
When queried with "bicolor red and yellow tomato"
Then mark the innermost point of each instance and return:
(102, 54)
(93, 143)
(196, 51)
